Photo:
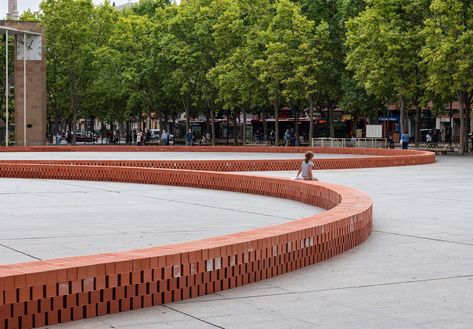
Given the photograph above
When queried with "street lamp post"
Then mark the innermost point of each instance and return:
(6, 89)
(24, 89)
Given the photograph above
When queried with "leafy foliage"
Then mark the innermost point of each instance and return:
(214, 57)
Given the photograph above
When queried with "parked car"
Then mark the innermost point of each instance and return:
(82, 137)
(154, 134)
(423, 134)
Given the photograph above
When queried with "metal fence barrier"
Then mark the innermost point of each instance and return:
(349, 142)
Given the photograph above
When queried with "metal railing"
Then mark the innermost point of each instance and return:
(349, 142)
(436, 147)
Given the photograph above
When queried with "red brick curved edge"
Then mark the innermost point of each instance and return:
(54, 291)
(378, 158)
(245, 149)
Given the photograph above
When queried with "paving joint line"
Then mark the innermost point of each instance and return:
(189, 203)
(119, 233)
(91, 188)
(219, 208)
(19, 251)
(425, 238)
(34, 193)
(333, 289)
(194, 317)
(107, 324)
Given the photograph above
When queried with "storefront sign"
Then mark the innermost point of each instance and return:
(389, 117)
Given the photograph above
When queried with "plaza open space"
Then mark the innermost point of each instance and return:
(414, 271)
(236, 164)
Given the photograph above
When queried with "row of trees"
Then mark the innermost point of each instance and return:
(417, 51)
(256, 56)
(205, 55)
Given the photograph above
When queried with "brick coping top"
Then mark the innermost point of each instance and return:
(243, 149)
(382, 158)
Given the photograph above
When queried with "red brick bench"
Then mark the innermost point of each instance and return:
(378, 157)
(47, 292)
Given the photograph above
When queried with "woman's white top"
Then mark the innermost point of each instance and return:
(306, 168)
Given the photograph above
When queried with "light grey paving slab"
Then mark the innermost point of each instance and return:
(402, 305)
(44, 219)
(188, 324)
(155, 317)
(83, 324)
(151, 318)
(10, 255)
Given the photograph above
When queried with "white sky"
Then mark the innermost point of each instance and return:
(34, 5)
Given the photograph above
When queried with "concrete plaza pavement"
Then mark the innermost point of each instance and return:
(415, 271)
(44, 219)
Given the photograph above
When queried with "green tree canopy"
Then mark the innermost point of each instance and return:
(448, 56)
(384, 44)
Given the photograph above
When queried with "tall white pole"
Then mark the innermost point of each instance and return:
(24, 89)
(6, 88)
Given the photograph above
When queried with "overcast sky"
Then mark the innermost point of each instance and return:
(34, 4)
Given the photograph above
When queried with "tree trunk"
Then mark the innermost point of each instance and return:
(311, 120)
(119, 132)
(467, 126)
(462, 99)
(188, 119)
(354, 124)
(168, 125)
(404, 118)
(330, 118)
(212, 118)
(186, 105)
(417, 133)
(74, 120)
(128, 132)
(161, 122)
(276, 123)
(296, 126)
(56, 124)
(110, 141)
(72, 91)
(235, 129)
(265, 123)
(207, 121)
(244, 125)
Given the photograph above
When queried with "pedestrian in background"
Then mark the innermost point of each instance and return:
(139, 137)
(428, 138)
(391, 141)
(405, 140)
(272, 137)
(164, 138)
(286, 137)
(189, 138)
(292, 137)
(58, 138)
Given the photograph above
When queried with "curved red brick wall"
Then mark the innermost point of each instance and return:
(378, 158)
(54, 291)
(245, 149)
